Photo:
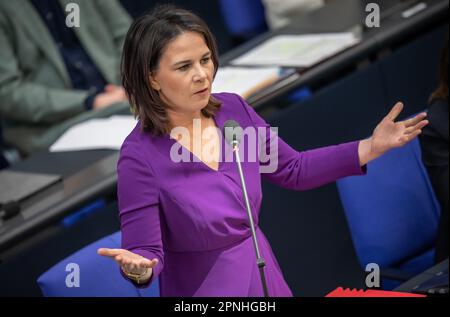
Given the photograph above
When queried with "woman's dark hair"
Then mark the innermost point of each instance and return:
(144, 45)
(441, 93)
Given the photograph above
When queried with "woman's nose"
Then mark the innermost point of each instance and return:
(200, 73)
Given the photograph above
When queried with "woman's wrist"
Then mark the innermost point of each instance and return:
(139, 278)
(365, 152)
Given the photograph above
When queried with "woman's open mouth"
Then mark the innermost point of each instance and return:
(202, 91)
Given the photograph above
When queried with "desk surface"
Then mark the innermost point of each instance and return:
(86, 175)
(410, 285)
(65, 164)
(340, 16)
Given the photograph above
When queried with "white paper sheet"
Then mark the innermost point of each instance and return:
(297, 50)
(108, 133)
(244, 81)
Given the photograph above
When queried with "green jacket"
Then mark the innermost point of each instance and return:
(37, 101)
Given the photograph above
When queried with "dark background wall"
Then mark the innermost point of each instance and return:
(208, 10)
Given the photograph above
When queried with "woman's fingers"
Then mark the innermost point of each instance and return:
(121, 260)
(136, 263)
(126, 263)
(413, 121)
(129, 261)
(109, 252)
(141, 264)
(395, 111)
(414, 134)
(419, 126)
(407, 138)
(149, 263)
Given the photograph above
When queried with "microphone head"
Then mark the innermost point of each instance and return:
(233, 132)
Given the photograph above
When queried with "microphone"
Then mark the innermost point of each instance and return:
(233, 132)
(233, 135)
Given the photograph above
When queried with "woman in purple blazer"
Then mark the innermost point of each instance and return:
(182, 212)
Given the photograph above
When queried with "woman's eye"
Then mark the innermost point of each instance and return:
(184, 67)
(205, 60)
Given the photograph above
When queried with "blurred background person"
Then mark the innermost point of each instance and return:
(281, 13)
(52, 75)
(435, 152)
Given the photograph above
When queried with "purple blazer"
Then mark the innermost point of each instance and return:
(193, 218)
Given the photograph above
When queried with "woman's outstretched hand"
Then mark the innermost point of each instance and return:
(130, 262)
(390, 134)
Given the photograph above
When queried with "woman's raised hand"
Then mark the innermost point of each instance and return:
(129, 262)
(390, 134)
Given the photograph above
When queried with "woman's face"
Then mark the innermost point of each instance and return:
(185, 74)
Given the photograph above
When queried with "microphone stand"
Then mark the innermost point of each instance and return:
(259, 260)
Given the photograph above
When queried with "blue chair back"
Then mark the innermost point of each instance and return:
(392, 211)
(244, 18)
(98, 276)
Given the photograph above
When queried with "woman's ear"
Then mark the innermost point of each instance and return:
(154, 83)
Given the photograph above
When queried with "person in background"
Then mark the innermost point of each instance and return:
(54, 75)
(435, 152)
(281, 13)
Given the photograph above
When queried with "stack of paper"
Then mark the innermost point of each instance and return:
(244, 81)
(108, 133)
(297, 50)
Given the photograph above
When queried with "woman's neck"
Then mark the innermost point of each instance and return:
(185, 120)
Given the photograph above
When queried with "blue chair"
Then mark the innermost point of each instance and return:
(98, 276)
(244, 18)
(393, 213)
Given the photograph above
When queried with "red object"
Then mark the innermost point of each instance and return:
(340, 292)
